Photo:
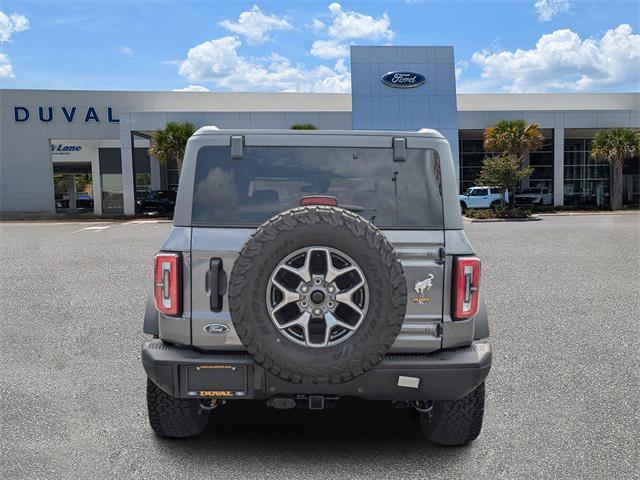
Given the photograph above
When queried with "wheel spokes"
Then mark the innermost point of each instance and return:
(287, 296)
(346, 297)
(323, 296)
(303, 272)
(332, 271)
(302, 321)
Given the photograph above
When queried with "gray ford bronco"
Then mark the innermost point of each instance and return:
(303, 267)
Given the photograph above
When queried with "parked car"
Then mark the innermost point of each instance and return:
(308, 299)
(534, 196)
(84, 201)
(161, 202)
(481, 197)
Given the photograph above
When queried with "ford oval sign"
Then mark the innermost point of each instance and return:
(216, 328)
(403, 79)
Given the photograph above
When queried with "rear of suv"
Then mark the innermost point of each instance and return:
(303, 267)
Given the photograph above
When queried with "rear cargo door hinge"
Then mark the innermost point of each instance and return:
(236, 144)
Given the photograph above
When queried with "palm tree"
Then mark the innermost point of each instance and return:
(615, 146)
(515, 139)
(170, 142)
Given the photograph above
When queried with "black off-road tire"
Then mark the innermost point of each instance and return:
(455, 422)
(317, 226)
(174, 417)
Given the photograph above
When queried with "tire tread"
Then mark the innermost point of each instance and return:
(455, 422)
(174, 417)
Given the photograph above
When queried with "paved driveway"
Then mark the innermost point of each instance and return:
(562, 402)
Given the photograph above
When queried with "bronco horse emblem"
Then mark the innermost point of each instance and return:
(421, 288)
(424, 285)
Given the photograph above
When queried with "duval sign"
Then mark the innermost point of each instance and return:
(401, 79)
(69, 114)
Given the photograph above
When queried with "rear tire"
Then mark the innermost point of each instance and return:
(495, 205)
(455, 422)
(463, 207)
(174, 417)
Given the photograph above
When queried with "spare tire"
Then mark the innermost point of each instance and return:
(317, 295)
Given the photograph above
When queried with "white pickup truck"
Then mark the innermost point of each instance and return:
(534, 196)
(481, 197)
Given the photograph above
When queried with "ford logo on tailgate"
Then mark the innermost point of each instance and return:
(403, 79)
(216, 328)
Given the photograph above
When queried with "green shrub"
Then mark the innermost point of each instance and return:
(517, 212)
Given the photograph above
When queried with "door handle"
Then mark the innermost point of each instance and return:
(216, 284)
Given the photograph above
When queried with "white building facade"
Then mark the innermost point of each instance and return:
(86, 151)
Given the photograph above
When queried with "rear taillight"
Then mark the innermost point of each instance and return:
(166, 283)
(466, 281)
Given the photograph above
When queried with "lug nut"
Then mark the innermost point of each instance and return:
(317, 281)
(330, 304)
(304, 304)
(331, 289)
(317, 312)
(304, 289)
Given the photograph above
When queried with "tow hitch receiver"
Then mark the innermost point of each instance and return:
(316, 402)
(311, 402)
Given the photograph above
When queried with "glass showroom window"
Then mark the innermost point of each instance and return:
(542, 162)
(586, 180)
(142, 169)
(472, 155)
(631, 182)
(173, 175)
(111, 179)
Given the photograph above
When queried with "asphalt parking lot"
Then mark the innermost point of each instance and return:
(563, 296)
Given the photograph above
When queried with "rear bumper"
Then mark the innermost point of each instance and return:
(190, 373)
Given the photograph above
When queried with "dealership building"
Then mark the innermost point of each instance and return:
(69, 151)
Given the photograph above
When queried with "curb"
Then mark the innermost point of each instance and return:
(70, 220)
(533, 218)
(572, 214)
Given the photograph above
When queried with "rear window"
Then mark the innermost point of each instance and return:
(269, 180)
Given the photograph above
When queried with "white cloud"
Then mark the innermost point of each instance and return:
(329, 49)
(6, 70)
(547, 9)
(211, 59)
(254, 25)
(10, 24)
(561, 60)
(218, 61)
(460, 67)
(344, 27)
(353, 25)
(127, 51)
(192, 88)
(317, 25)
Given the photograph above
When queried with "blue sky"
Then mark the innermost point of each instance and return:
(500, 46)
